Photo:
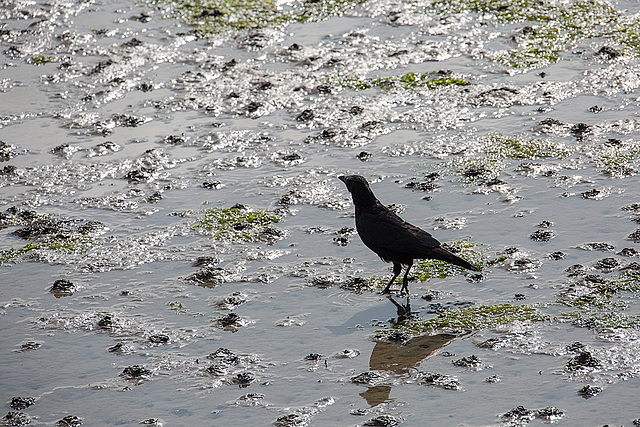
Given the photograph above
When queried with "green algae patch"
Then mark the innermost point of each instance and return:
(237, 224)
(212, 17)
(177, 307)
(46, 234)
(61, 243)
(520, 147)
(554, 27)
(497, 151)
(618, 156)
(602, 304)
(473, 319)
(597, 319)
(601, 293)
(40, 60)
(410, 80)
(472, 170)
(627, 281)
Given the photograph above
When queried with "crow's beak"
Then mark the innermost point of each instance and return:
(341, 178)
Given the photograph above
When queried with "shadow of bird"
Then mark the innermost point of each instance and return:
(391, 237)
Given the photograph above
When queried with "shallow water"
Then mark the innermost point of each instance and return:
(121, 128)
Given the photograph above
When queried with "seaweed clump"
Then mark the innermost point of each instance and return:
(239, 224)
(212, 17)
(520, 147)
(498, 149)
(553, 27)
(46, 233)
(409, 81)
(600, 303)
(473, 318)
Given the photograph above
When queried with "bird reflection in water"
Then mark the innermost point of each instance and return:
(404, 311)
(399, 358)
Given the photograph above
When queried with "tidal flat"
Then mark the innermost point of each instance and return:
(176, 248)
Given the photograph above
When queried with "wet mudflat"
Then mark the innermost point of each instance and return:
(176, 247)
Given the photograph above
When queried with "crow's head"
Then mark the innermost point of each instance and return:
(359, 189)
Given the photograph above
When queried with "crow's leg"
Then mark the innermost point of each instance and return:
(397, 269)
(405, 281)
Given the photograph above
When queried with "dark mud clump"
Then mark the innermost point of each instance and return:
(135, 372)
(69, 421)
(635, 236)
(363, 156)
(580, 131)
(438, 380)
(428, 185)
(140, 175)
(342, 238)
(607, 264)
(105, 322)
(243, 379)
(356, 285)
(7, 151)
(556, 256)
(232, 301)
(159, 339)
(550, 413)
(291, 420)
(223, 361)
(575, 270)
(212, 185)
(472, 362)
(608, 53)
(30, 346)
(542, 235)
(62, 287)
(231, 368)
(371, 378)
(211, 276)
(305, 116)
(314, 357)
(598, 246)
(41, 227)
(584, 360)
(589, 391)
(231, 319)
(382, 421)
(629, 252)
(16, 418)
(21, 403)
(591, 194)
(521, 415)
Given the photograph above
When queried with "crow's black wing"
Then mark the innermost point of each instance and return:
(394, 239)
(382, 230)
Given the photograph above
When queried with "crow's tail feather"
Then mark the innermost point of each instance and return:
(444, 255)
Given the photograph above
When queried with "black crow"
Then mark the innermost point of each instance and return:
(391, 237)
